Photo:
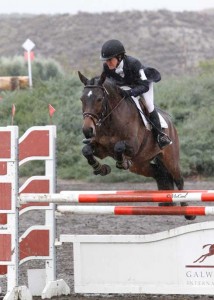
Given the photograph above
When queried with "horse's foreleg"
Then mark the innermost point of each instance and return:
(119, 150)
(103, 170)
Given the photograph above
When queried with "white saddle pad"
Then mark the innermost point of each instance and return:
(146, 123)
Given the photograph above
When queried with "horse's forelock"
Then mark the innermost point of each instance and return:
(94, 81)
(109, 84)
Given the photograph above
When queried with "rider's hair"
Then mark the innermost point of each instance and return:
(120, 56)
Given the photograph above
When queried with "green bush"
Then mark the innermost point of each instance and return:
(42, 69)
(13, 66)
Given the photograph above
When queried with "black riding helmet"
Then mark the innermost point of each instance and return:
(111, 48)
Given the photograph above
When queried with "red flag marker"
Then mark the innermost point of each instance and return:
(51, 110)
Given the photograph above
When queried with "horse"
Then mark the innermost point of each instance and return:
(113, 127)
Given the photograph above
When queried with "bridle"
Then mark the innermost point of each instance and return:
(94, 117)
(98, 120)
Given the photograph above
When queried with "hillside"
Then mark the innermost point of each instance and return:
(174, 42)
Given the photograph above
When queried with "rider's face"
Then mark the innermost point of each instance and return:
(112, 63)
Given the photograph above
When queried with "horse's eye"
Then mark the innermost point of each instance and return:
(99, 99)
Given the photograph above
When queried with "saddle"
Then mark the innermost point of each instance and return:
(144, 114)
(139, 102)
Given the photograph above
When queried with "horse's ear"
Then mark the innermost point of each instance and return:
(102, 79)
(82, 78)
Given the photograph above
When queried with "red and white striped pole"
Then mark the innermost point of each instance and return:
(119, 196)
(138, 210)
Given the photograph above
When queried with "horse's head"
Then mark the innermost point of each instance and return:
(93, 103)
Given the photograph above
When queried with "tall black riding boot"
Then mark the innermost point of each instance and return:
(162, 139)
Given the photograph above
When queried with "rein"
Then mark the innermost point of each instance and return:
(103, 119)
(96, 117)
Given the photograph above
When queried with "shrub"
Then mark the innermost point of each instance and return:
(42, 69)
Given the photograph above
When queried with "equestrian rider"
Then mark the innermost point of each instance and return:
(128, 71)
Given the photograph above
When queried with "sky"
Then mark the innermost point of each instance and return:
(94, 6)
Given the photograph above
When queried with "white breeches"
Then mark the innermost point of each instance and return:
(148, 97)
(149, 102)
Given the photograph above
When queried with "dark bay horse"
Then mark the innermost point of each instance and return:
(113, 127)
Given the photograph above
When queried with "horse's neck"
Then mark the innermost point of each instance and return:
(120, 109)
(119, 112)
(113, 98)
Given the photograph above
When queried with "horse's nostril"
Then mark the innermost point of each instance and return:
(88, 132)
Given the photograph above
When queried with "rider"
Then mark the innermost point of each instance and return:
(128, 71)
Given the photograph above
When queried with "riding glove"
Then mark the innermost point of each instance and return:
(136, 91)
(125, 93)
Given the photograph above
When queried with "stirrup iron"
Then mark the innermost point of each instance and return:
(163, 140)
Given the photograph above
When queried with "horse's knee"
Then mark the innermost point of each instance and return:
(124, 147)
(87, 151)
(119, 147)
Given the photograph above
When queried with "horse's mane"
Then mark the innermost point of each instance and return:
(109, 84)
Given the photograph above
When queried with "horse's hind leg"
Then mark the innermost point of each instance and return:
(179, 183)
(172, 168)
(103, 170)
(178, 180)
(163, 178)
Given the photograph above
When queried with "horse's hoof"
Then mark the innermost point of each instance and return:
(103, 171)
(189, 218)
(96, 172)
(125, 165)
